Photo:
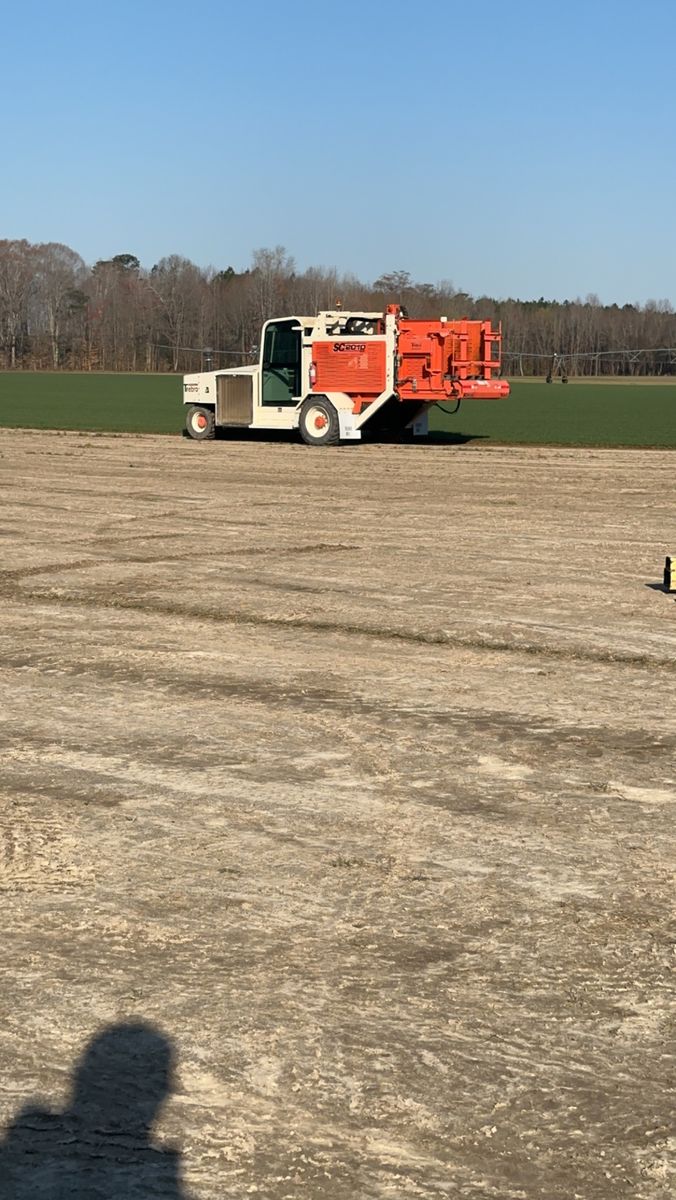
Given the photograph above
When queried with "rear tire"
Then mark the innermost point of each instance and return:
(318, 422)
(200, 423)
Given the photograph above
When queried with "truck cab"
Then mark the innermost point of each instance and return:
(272, 394)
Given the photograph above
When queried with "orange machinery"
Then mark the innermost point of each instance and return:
(435, 360)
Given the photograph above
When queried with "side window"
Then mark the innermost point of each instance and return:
(281, 346)
(281, 363)
(269, 344)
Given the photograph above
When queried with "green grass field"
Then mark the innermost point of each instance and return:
(614, 413)
(114, 403)
(584, 413)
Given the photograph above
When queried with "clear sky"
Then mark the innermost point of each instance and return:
(517, 148)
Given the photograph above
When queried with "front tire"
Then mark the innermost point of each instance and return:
(318, 422)
(200, 423)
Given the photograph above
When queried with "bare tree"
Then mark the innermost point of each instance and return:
(117, 316)
(272, 272)
(17, 278)
(176, 284)
(59, 272)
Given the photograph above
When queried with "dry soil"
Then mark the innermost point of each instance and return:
(352, 773)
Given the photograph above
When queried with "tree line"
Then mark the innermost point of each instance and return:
(56, 312)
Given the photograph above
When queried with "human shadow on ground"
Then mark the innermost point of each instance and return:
(101, 1147)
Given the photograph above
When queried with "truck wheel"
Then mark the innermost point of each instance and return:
(200, 423)
(318, 422)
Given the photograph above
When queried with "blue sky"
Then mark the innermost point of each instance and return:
(519, 148)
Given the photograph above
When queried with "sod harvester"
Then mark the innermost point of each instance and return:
(331, 375)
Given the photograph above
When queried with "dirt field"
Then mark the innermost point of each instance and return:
(351, 772)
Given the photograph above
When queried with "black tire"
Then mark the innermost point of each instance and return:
(318, 422)
(200, 423)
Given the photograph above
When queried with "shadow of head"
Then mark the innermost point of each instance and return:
(123, 1077)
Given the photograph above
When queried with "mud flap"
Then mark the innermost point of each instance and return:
(346, 426)
(421, 424)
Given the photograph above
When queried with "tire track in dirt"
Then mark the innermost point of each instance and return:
(15, 574)
(429, 637)
(38, 848)
(341, 702)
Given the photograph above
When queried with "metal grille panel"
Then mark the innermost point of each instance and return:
(234, 399)
(350, 366)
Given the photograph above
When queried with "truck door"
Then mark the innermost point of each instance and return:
(281, 363)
